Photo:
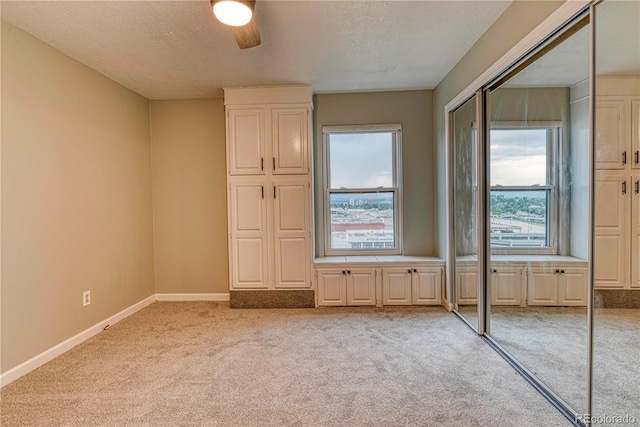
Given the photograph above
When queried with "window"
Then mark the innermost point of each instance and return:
(523, 190)
(362, 189)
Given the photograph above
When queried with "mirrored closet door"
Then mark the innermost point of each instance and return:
(538, 189)
(616, 321)
(465, 200)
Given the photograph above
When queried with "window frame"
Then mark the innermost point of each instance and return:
(554, 141)
(396, 131)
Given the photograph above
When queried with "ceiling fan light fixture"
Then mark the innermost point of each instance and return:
(233, 13)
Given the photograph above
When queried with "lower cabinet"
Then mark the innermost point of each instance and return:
(549, 285)
(411, 286)
(506, 286)
(561, 286)
(340, 287)
(346, 286)
(467, 285)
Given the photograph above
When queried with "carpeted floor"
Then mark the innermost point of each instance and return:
(203, 364)
(552, 343)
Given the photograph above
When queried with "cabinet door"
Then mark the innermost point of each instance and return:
(396, 286)
(505, 286)
(248, 236)
(635, 233)
(245, 134)
(611, 230)
(291, 234)
(361, 287)
(426, 285)
(572, 287)
(289, 140)
(635, 134)
(332, 289)
(610, 138)
(543, 287)
(467, 286)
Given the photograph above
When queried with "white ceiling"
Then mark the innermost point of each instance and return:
(176, 49)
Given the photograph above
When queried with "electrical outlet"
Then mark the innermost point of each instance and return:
(86, 298)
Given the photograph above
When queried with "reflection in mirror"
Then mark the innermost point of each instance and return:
(539, 216)
(616, 323)
(465, 200)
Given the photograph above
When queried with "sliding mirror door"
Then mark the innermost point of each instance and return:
(465, 198)
(538, 189)
(616, 324)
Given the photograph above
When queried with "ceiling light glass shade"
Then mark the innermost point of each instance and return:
(233, 13)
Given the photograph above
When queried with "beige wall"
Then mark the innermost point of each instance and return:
(189, 196)
(413, 109)
(520, 18)
(76, 197)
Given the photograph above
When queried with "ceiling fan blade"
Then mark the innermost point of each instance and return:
(247, 36)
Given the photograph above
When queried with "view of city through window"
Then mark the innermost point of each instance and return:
(362, 221)
(520, 189)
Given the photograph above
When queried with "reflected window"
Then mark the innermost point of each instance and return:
(522, 185)
(362, 189)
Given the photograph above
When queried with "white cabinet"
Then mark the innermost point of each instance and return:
(289, 140)
(612, 215)
(617, 247)
(396, 286)
(246, 141)
(426, 286)
(346, 286)
(249, 230)
(505, 286)
(635, 134)
(406, 286)
(269, 187)
(557, 286)
(467, 285)
(332, 287)
(291, 233)
(610, 139)
(254, 151)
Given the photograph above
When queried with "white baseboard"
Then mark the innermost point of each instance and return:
(48, 355)
(192, 297)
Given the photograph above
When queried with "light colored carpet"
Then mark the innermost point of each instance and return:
(203, 364)
(552, 343)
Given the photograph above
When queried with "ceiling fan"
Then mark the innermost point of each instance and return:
(238, 14)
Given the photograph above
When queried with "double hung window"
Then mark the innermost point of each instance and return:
(523, 189)
(362, 189)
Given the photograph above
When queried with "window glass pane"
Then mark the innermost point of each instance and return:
(362, 221)
(361, 160)
(518, 157)
(519, 218)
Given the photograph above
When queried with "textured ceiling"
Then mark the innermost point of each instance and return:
(176, 49)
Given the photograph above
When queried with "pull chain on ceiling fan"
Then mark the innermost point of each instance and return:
(238, 14)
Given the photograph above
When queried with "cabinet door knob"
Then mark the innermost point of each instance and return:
(274, 163)
(624, 157)
(344, 273)
(263, 191)
(561, 271)
(557, 271)
(409, 271)
(415, 271)
(261, 163)
(624, 187)
(637, 186)
(348, 271)
(636, 160)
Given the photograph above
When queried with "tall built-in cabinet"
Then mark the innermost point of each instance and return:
(269, 187)
(617, 189)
